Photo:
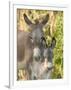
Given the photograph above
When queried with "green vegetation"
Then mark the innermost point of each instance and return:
(58, 51)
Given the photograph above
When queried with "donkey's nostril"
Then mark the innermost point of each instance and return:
(37, 58)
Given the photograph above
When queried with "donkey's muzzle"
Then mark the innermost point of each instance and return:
(36, 54)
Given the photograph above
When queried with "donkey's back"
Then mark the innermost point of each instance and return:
(24, 48)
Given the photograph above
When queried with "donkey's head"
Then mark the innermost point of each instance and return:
(43, 70)
(37, 35)
(48, 52)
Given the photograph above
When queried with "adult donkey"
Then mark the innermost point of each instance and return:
(30, 44)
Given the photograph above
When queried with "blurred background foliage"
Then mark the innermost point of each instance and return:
(54, 27)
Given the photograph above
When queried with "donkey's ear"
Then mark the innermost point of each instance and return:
(45, 20)
(53, 43)
(27, 20)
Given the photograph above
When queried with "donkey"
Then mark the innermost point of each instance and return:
(30, 44)
(43, 70)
